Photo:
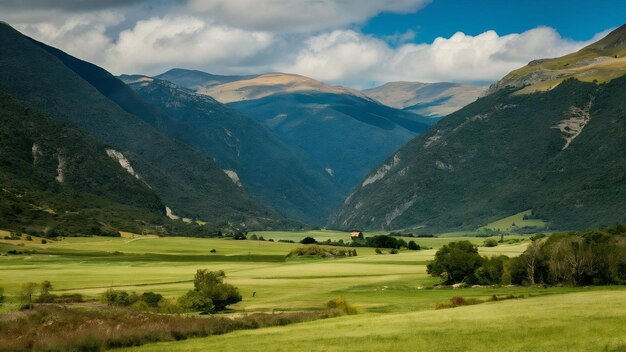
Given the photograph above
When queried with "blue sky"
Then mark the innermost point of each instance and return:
(577, 20)
(357, 43)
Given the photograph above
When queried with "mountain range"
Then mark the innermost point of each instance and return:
(189, 183)
(339, 130)
(556, 155)
(426, 99)
(189, 152)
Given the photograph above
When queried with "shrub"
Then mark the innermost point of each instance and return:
(413, 246)
(43, 241)
(393, 251)
(340, 305)
(1, 295)
(151, 299)
(213, 250)
(308, 240)
(490, 243)
(378, 251)
(382, 241)
(319, 251)
(119, 298)
(458, 301)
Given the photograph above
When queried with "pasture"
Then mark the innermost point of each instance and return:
(393, 292)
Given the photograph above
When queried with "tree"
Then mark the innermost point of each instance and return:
(210, 293)
(27, 292)
(491, 271)
(1, 295)
(382, 241)
(456, 262)
(44, 292)
(413, 246)
(152, 299)
(308, 240)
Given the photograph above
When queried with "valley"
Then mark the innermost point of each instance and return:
(312, 176)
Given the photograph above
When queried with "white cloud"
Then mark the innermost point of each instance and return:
(352, 58)
(159, 43)
(272, 40)
(298, 15)
(81, 35)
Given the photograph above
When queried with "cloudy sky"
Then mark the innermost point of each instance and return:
(357, 43)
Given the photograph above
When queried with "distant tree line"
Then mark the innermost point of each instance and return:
(595, 257)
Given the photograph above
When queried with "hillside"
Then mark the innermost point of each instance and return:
(55, 177)
(426, 99)
(601, 61)
(269, 84)
(560, 153)
(187, 181)
(338, 129)
(276, 174)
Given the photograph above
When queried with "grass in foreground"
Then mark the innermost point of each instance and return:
(584, 321)
(55, 328)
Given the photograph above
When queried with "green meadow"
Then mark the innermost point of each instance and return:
(394, 294)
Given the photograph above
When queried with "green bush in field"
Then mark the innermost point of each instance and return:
(456, 262)
(1, 295)
(210, 293)
(490, 243)
(308, 240)
(383, 241)
(413, 246)
(341, 306)
(152, 299)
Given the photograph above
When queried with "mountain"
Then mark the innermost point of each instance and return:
(426, 99)
(340, 130)
(601, 61)
(194, 80)
(84, 95)
(54, 176)
(558, 156)
(276, 174)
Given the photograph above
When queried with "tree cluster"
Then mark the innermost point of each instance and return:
(589, 258)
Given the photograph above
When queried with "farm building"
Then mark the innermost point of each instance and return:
(356, 235)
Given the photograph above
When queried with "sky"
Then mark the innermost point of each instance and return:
(356, 43)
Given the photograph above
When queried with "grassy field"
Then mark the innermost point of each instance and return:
(514, 222)
(583, 321)
(393, 292)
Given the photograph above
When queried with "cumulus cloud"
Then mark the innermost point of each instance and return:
(159, 43)
(299, 15)
(352, 58)
(310, 37)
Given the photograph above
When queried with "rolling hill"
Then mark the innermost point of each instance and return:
(559, 153)
(275, 173)
(340, 130)
(426, 99)
(601, 62)
(188, 182)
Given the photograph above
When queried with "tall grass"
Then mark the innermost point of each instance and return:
(56, 328)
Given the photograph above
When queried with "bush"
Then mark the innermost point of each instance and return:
(413, 246)
(322, 252)
(1, 295)
(490, 243)
(210, 293)
(393, 251)
(119, 298)
(340, 305)
(308, 240)
(152, 299)
(382, 241)
(43, 241)
(456, 262)
(378, 251)
(213, 250)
